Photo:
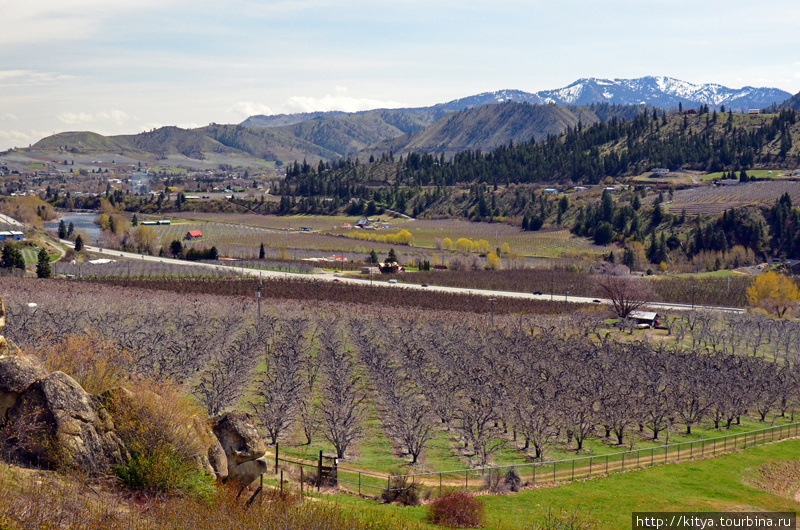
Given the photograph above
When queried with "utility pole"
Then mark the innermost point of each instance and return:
(492, 302)
(258, 298)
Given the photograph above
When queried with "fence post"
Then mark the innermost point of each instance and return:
(301, 482)
(359, 482)
(281, 483)
(276, 457)
(440, 484)
(319, 471)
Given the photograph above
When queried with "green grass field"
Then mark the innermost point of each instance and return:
(717, 484)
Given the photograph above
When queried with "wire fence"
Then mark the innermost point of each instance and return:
(538, 473)
(326, 471)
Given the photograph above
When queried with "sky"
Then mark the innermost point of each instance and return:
(126, 66)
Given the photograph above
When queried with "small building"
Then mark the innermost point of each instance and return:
(645, 319)
(193, 234)
(793, 266)
(370, 270)
(753, 111)
(659, 171)
(550, 190)
(7, 235)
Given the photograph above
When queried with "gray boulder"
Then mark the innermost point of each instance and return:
(243, 446)
(17, 373)
(55, 423)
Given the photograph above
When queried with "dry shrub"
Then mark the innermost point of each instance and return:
(493, 480)
(402, 491)
(159, 427)
(95, 362)
(44, 500)
(512, 480)
(456, 509)
(575, 520)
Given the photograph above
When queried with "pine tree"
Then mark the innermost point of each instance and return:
(70, 229)
(135, 220)
(78, 243)
(261, 253)
(43, 264)
(62, 230)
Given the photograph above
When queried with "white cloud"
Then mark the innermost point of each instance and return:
(117, 117)
(337, 102)
(29, 77)
(251, 108)
(9, 117)
(20, 138)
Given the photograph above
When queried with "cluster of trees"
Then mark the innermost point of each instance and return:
(529, 381)
(704, 142)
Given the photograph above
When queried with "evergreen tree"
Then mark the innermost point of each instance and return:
(43, 264)
(78, 243)
(391, 257)
(261, 253)
(12, 258)
(176, 249)
(62, 230)
(213, 254)
(743, 176)
(70, 229)
(135, 220)
(373, 256)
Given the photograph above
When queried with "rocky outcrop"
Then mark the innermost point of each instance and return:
(6, 346)
(55, 423)
(243, 446)
(17, 373)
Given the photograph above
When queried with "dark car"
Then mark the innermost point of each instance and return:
(595, 301)
(537, 292)
(424, 285)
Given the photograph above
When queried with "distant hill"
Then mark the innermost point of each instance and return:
(483, 121)
(490, 126)
(791, 103)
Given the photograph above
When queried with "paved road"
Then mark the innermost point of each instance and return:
(10, 221)
(329, 277)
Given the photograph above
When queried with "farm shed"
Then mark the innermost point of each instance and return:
(6, 235)
(645, 318)
(193, 234)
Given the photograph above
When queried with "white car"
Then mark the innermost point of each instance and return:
(392, 281)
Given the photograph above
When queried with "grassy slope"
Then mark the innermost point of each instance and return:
(706, 485)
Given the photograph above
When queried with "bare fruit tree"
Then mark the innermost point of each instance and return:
(342, 394)
(626, 294)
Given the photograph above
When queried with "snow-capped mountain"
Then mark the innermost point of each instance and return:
(664, 92)
(490, 98)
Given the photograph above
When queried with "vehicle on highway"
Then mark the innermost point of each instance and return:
(537, 292)
(424, 285)
(392, 281)
(337, 280)
(595, 301)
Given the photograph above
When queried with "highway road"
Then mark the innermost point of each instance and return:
(329, 277)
